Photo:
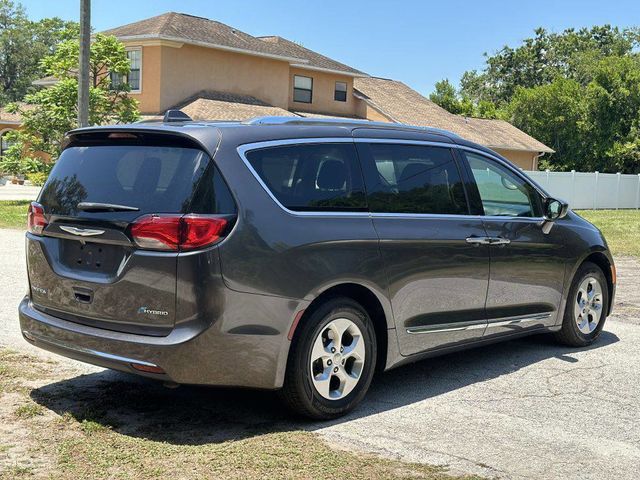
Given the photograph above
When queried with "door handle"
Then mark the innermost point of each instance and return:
(479, 240)
(499, 241)
(488, 241)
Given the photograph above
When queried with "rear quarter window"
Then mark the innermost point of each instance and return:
(310, 177)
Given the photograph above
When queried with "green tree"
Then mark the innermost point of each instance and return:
(51, 112)
(577, 91)
(543, 58)
(446, 96)
(591, 127)
(23, 43)
(612, 120)
(554, 115)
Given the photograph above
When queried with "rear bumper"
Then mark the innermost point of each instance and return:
(190, 354)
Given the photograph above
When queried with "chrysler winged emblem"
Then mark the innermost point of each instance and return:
(82, 232)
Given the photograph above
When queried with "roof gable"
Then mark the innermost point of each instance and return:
(210, 33)
(292, 49)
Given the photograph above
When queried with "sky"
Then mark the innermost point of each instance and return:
(416, 42)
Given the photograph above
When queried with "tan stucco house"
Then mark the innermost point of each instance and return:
(8, 122)
(212, 71)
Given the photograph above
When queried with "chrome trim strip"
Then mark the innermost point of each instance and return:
(503, 322)
(478, 324)
(452, 216)
(449, 327)
(247, 147)
(85, 351)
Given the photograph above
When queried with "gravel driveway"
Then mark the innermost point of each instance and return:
(522, 409)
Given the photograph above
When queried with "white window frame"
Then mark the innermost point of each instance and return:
(310, 90)
(139, 49)
(132, 49)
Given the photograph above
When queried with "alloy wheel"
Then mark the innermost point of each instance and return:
(588, 305)
(337, 359)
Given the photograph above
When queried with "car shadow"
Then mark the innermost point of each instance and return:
(191, 415)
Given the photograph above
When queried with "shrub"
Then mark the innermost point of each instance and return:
(37, 178)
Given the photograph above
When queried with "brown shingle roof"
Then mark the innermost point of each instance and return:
(291, 49)
(300, 113)
(404, 105)
(199, 30)
(502, 134)
(211, 105)
(6, 117)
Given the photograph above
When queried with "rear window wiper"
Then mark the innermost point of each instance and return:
(105, 207)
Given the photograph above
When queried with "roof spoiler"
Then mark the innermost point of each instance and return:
(176, 116)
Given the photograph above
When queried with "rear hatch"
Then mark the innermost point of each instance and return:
(100, 249)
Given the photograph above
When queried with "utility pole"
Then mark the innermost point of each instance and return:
(83, 73)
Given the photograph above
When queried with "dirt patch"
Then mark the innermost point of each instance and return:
(627, 302)
(55, 424)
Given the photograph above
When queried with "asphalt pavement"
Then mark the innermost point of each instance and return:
(523, 409)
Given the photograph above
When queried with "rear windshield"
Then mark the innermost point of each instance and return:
(152, 179)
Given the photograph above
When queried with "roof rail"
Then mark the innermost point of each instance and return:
(291, 120)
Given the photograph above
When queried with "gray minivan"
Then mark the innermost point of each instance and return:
(299, 254)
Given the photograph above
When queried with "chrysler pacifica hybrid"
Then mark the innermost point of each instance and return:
(299, 255)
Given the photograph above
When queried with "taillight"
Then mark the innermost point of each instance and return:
(157, 232)
(176, 232)
(35, 218)
(198, 231)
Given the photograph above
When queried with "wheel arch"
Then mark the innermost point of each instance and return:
(370, 301)
(604, 261)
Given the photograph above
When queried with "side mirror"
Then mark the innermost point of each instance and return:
(554, 209)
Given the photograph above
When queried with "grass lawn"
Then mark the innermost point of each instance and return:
(621, 228)
(58, 425)
(13, 214)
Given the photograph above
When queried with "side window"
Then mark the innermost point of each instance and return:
(502, 192)
(340, 93)
(312, 177)
(302, 89)
(133, 79)
(213, 195)
(413, 179)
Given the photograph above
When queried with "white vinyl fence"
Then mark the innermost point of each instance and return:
(591, 190)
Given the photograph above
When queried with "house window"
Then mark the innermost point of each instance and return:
(5, 143)
(302, 89)
(134, 78)
(340, 93)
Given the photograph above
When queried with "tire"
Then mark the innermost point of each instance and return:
(575, 332)
(305, 378)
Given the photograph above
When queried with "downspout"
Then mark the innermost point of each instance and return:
(535, 161)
